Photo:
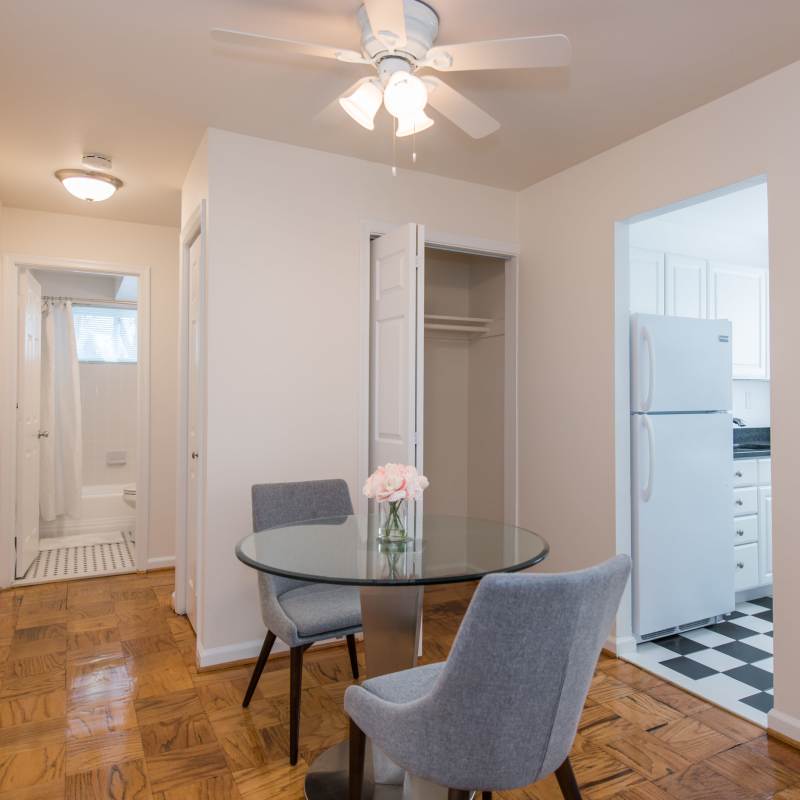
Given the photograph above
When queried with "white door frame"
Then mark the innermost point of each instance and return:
(195, 227)
(11, 266)
(457, 243)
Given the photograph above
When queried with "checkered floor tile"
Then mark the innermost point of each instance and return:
(729, 663)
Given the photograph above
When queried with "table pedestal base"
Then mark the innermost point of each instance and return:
(391, 617)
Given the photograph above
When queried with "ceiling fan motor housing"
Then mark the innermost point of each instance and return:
(422, 28)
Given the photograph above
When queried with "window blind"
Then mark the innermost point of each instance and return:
(105, 334)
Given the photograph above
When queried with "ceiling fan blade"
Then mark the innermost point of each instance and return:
(521, 53)
(307, 48)
(459, 110)
(387, 19)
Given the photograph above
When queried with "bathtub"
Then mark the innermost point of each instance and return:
(102, 510)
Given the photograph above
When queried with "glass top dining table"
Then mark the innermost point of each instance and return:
(390, 577)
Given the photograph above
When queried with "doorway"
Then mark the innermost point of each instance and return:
(76, 366)
(700, 267)
(440, 375)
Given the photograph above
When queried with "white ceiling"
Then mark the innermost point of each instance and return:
(142, 80)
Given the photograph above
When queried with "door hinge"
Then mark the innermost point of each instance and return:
(415, 438)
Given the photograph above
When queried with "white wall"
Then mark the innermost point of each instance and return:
(751, 402)
(38, 233)
(567, 329)
(284, 358)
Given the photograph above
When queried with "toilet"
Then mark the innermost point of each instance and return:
(129, 494)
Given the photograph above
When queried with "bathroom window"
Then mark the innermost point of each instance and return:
(107, 335)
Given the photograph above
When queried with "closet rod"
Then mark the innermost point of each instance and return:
(83, 301)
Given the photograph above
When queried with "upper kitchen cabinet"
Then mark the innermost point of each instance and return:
(686, 286)
(740, 295)
(647, 281)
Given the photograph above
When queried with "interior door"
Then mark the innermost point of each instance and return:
(195, 423)
(28, 432)
(396, 352)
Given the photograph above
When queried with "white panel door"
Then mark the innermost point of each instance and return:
(686, 285)
(680, 364)
(28, 433)
(396, 274)
(682, 519)
(764, 535)
(195, 426)
(740, 295)
(646, 281)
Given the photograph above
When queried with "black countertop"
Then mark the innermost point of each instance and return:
(751, 443)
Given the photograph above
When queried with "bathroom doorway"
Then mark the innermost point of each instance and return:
(76, 370)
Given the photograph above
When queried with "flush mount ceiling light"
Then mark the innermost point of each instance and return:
(88, 184)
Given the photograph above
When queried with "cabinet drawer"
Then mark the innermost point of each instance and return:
(745, 501)
(745, 472)
(764, 471)
(745, 563)
(745, 530)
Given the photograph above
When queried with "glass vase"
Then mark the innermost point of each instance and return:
(393, 520)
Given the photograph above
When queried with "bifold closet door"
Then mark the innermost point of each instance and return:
(396, 346)
(29, 377)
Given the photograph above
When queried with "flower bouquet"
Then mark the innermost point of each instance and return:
(390, 486)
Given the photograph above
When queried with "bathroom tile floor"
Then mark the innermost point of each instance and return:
(86, 560)
(729, 663)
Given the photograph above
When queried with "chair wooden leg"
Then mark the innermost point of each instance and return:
(486, 795)
(295, 688)
(269, 640)
(358, 745)
(351, 649)
(458, 794)
(566, 781)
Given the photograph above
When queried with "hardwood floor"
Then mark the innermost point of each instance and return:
(99, 698)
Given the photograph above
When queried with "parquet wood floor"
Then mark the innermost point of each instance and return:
(100, 698)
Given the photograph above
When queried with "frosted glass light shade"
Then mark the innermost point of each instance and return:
(363, 103)
(404, 94)
(86, 185)
(413, 123)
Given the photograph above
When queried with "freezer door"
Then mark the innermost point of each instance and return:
(680, 364)
(682, 519)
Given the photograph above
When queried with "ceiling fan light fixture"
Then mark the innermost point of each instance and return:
(413, 123)
(405, 95)
(363, 103)
(85, 184)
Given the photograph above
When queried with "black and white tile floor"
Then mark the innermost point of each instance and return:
(729, 663)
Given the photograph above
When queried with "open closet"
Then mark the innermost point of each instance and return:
(464, 349)
(442, 356)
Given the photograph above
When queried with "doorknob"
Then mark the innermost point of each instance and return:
(195, 454)
(42, 434)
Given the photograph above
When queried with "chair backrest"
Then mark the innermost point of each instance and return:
(276, 504)
(512, 691)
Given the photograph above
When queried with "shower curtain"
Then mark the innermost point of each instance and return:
(61, 456)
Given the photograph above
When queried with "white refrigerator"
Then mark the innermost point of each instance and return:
(681, 472)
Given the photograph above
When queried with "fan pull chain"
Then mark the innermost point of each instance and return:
(394, 147)
(413, 144)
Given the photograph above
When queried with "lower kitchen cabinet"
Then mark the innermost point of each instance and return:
(764, 535)
(746, 565)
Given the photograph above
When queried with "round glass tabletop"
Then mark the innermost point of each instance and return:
(347, 550)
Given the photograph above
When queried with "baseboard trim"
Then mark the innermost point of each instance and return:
(783, 726)
(68, 527)
(620, 646)
(162, 562)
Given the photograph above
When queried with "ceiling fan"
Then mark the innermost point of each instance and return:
(397, 39)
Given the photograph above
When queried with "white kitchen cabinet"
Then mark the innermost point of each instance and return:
(740, 295)
(686, 281)
(764, 535)
(646, 281)
(746, 566)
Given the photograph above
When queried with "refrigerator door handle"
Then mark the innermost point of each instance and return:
(647, 491)
(651, 369)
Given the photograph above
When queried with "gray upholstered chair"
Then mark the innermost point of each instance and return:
(503, 710)
(300, 613)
